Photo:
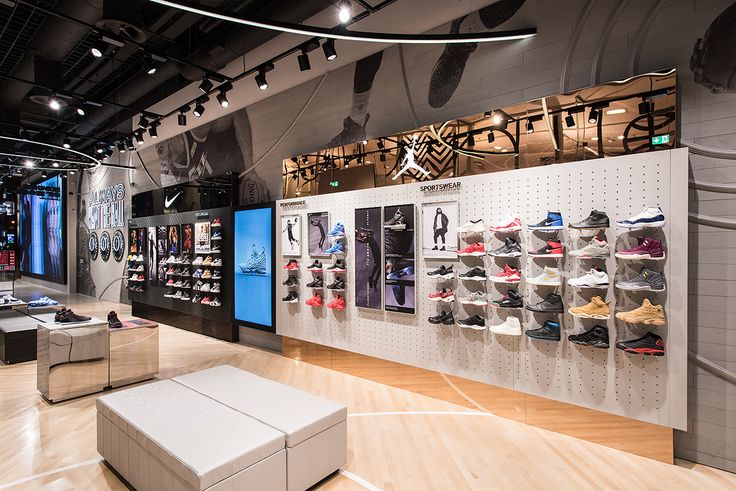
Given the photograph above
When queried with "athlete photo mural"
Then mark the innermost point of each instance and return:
(439, 230)
(162, 249)
(319, 225)
(368, 228)
(152, 256)
(398, 239)
(291, 235)
(187, 234)
(174, 241)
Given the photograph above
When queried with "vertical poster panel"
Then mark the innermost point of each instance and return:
(162, 249)
(291, 235)
(187, 238)
(439, 229)
(133, 240)
(202, 237)
(174, 235)
(398, 240)
(319, 225)
(152, 273)
(142, 240)
(368, 228)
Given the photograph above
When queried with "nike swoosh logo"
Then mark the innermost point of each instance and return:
(168, 202)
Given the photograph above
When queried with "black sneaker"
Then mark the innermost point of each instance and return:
(476, 273)
(510, 248)
(112, 320)
(473, 322)
(512, 300)
(398, 221)
(338, 266)
(445, 318)
(597, 337)
(59, 314)
(550, 331)
(185, 296)
(442, 272)
(551, 304)
(291, 297)
(596, 219)
(68, 317)
(291, 281)
(650, 344)
(170, 293)
(316, 283)
(197, 298)
(316, 266)
(338, 284)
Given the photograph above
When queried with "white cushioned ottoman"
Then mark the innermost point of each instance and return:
(164, 436)
(315, 428)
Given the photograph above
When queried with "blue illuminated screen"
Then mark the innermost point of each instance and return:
(253, 284)
(41, 231)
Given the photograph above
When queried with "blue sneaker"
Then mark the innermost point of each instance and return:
(43, 302)
(216, 236)
(552, 222)
(336, 248)
(337, 231)
(396, 275)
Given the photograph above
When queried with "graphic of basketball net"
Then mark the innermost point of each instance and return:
(408, 163)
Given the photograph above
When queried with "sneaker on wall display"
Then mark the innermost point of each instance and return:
(445, 273)
(510, 327)
(477, 249)
(512, 300)
(315, 300)
(649, 344)
(337, 231)
(553, 248)
(444, 295)
(472, 227)
(512, 224)
(595, 337)
(445, 318)
(551, 304)
(548, 277)
(648, 248)
(652, 217)
(206, 300)
(291, 297)
(216, 274)
(595, 278)
(337, 267)
(292, 265)
(217, 263)
(646, 314)
(647, 280)
(215, 249)
(397, 222)
(337, 304)
(474, 298)
(171, 259)
(291, 281)
(316, 283)
(215, 302)
(178, 284)
(170, 282)
(169, 293)
(596, 220)
(596, 248)
(316, 266)
(177, 295)
(185, 296)
(510, 248)
(197, 285)
(198, 273)
(475, 322)
(552, 222)
(205, 288)
(550, 331)
(507, 275)
(216, 235)
(197, 298)
(207, 261)
(338, 284)
(215, 288)
(473, 274)
(207, 274)
(198, 261)
(336, 248)
(597, 308)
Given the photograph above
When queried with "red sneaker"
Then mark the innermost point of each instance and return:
(216, 223)
(291, 265)
(477, 249)
(445, 295)
(553, 248)
(509, 225)
(315, 301)
(337, 304)
(508, 275)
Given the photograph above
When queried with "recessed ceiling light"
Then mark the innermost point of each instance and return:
(29, 163)
(80, 111)
(594, 138)
(55, 164)
(54, 104)
(619, 110)
(620, 137)
(497, 148)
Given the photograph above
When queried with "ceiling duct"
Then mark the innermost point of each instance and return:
(123, 19)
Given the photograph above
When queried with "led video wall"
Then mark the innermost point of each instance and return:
(42, 251)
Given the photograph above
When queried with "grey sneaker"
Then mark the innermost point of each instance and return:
(646, 280)
(474, 298)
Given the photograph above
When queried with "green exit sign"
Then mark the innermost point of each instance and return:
(334, 184)
(660, 140)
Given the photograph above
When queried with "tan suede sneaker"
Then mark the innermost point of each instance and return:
(646, 314)
(596, 309)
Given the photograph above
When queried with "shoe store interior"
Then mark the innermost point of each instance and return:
(367, 245)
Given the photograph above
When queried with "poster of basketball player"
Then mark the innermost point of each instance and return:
(202, 237)
(133, 240)
(318, 225)
(141, 241)
(162, 249)
(174, 235)
(291, 235)
(152, 256)
(398, 241)
(368, 237)
(439, 230)
(187, 238)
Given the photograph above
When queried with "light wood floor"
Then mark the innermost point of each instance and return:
(397, 440)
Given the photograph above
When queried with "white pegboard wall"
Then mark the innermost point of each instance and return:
(645, 388)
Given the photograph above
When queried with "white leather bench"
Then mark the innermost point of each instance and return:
(165, 437)
(315, 428)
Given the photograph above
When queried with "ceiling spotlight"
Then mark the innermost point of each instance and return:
(343, 11)
(100, 149)
(491, 136)
(645, 107)
(54, 103)
(303, 60)
(44, 174)
(569, 120)
(222, 96)
(29, 163)
(139, 137)
(96, 50)
(261, 79)
(380, 144)
(54, 164)
(129, 143)
(143, 123)
(593, 116)
(67, 143)
(329, 48)
(80, 111)
(152, 131)
(365, 142)
(149, 66)
(182, 118)
(199, 108)
(71, 172)
(470, 141)
(529, 127)
(206, 85)
(121, 146)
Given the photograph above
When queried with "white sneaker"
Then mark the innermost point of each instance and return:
(215, 288)
(140, 258)
(472, 227)
(474, 298)
(198, 261)
(592, 279)
(205, 288)
(177, 295)
(217, 262)
(550, 276)
(510, 327)
(596, 248)
(511, 224)
(652, 217)
(215, 302)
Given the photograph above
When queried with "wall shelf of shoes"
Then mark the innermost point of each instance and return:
(563, 281)
(135, 266)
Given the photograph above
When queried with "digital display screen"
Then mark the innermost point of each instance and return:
(42, 231)
(253, 290)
